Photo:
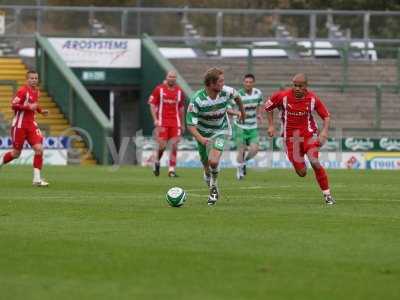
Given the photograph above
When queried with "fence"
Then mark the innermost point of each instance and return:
(216, 25)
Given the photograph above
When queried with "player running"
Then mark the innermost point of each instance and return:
(246, 134)
(24, 127)
(207, 121)
(167, 109)
(299, 129)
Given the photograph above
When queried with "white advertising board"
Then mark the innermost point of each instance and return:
(55, 157)
(98, 52)
(264, 159)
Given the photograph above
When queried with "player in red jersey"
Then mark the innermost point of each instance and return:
(300, 130)
(24, 127)
(167, 109)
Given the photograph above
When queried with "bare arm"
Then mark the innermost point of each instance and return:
(196, 134)
(323, 135)
(239, 103)
(259, 114)
(43, 112)
(271, 127)
(182, 116)
(153, 111)
(233, 112)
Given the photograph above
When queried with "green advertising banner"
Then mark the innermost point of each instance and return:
(349, 144)
(345, 144)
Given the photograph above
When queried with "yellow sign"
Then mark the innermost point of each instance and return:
(371, 155)
(383, 160)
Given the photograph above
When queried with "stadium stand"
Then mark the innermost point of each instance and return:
(353, 108)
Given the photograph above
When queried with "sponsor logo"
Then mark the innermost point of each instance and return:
(49, 142)
(297, 113)
(331, 145)
(389, 144)
(98, 52)
(353, 163)
(356, 144)
(170, 101)
(385, 163)
(92, 44)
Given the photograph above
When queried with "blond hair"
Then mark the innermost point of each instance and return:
(212, 75)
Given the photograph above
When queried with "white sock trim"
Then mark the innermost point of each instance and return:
(36, 175)
(326, 192)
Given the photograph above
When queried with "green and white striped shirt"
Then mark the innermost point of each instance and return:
(209, 115)
(250, 104)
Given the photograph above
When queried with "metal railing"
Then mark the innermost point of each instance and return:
(216, 25)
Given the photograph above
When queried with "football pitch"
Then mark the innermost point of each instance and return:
(99, 233)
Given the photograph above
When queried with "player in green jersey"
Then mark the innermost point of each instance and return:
(246, 134)
(207, 121)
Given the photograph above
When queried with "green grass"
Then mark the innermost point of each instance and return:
(103, 234)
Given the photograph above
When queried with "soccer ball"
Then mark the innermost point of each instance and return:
(176, 196)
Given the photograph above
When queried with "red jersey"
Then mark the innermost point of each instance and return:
(23, 115)
(296, 114)
(169, 101)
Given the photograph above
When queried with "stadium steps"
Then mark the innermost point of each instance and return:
(54, 125)
(282, 70)
(354, 108)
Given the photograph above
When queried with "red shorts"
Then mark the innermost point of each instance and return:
(296, 150)
(166, 133)
(20, 135)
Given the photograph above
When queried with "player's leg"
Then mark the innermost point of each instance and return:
(252, 139)
(296, 156)
(18, 139)
(174, 138)
(161, 139)
(204, 160)
(35, 139)
(37, 166)
(213, 162)
(214, 156)
(319, 171)
(10, 156)
(241, 151)
(253, 150)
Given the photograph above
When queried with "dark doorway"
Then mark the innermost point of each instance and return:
(102, 98)
(121, 106)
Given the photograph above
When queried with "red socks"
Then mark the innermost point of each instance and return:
(38, 161)
(7, 157)
(322, 178)
(172, 157)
